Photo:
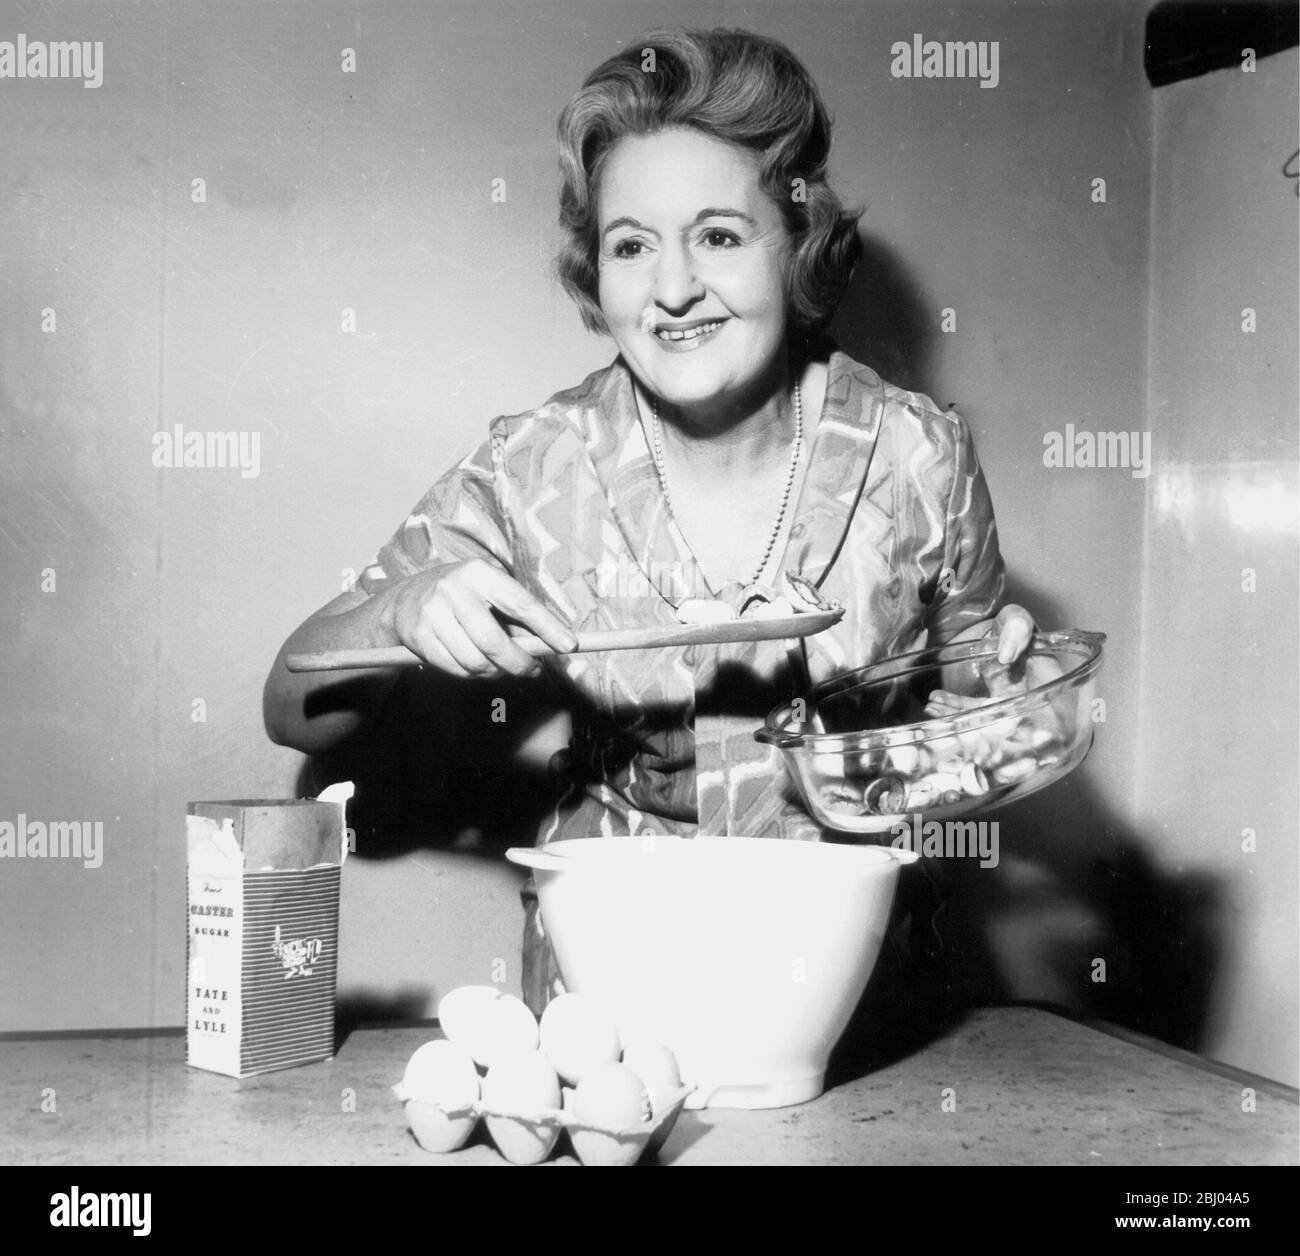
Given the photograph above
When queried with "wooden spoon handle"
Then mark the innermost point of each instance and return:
(654, 637)
(385, 656)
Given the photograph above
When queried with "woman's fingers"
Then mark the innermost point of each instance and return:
(508, 595)
(461, 647)
(446, 617)
(483, 629)
(1015, 629)
(436, 655)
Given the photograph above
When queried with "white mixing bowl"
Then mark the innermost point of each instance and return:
(746, 956)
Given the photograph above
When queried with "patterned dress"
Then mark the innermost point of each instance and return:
(893, 520)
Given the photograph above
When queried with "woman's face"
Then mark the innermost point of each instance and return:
(692, 257)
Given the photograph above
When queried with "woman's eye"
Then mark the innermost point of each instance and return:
(628, 248)
(719, 238)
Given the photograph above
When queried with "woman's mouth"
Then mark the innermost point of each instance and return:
(687, 336)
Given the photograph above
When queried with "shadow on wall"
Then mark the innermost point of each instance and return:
(437, 768)
(883, 321)
(1075, 915)
(1079, 914)
(1034, 930)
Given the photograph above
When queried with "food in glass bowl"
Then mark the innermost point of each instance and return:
(943, 731)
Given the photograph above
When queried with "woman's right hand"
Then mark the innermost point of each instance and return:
(445, 616)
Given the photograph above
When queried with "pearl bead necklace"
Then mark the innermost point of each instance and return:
(657, 450)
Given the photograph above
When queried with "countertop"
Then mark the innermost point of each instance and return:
(1005, 1086)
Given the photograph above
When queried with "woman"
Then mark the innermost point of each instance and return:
(726, 444)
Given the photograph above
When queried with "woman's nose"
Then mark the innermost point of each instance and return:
(677, 286)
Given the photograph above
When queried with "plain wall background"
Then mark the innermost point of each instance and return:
(1220, 760)
(372, 192)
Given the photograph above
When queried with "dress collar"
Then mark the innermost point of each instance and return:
(838, 463)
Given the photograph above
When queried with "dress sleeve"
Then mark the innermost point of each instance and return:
(972, 581)
(458, 519)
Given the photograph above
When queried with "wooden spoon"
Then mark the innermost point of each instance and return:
(656, 637)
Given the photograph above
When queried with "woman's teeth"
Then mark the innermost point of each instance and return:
(688, 333)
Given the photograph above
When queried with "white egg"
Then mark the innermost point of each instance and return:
(440, 1083)
(441, 1072)
(657, 1068)
(487, 1022)
(577, 1035)
(522, 1083)
(611, 1097)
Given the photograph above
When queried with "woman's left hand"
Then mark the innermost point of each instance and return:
(1014, 629)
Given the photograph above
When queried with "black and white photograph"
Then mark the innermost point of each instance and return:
(646, 583)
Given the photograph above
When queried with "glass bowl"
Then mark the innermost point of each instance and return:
(867, 755)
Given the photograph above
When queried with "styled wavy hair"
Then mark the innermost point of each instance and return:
(745, 89)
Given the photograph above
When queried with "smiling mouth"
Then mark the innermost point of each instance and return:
(676, 335)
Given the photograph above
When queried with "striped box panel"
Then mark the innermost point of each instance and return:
(290, 967)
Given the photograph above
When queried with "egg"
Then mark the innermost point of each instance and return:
(440, 1078)
(658, 1070)
(578, 1035)
(609, 1097)
(524, 1083)
(487, 1022)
